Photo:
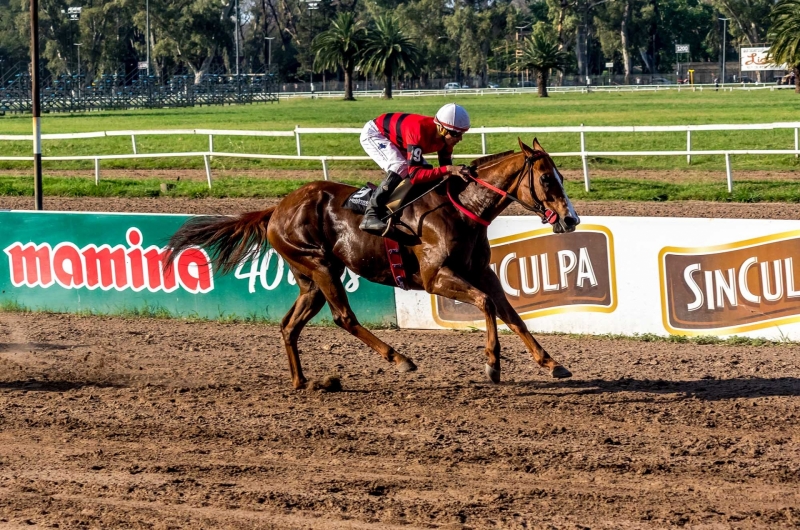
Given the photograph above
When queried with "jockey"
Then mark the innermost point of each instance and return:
(396, 142)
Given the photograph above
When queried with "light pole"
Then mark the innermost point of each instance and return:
(312, 6)
(237, 39)
(147, 37)
(724, 40)
(269, 53)
(518, 52)
(79, 61)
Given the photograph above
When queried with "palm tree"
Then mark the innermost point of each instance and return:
(540, 52)
(785, 37)
(388, 51)
(339, 46)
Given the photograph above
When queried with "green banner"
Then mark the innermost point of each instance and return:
(112, 264)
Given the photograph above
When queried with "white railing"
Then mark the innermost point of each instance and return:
(728, 87)
(297, 132)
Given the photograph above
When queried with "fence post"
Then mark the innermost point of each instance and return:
(133, 141)
(210, 143)
(728, 172)
(96, 171)
(796, 142)
(324, 167)
(584, 160)
(297, 139)
(208, 170)
(688, 146)
(483, 139)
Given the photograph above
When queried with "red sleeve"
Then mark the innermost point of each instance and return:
(421, 174)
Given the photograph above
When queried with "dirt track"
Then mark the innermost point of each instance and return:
(113, 423)
(140, 423)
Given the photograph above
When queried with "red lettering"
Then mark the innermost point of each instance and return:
(71, 274)
(194, 271)
(30, 265)
(105, 267)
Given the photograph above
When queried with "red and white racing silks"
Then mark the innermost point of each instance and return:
(398, 141)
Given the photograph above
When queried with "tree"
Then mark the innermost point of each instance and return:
(785, 36)
(540, 52)
(338, 47)
(388, 51)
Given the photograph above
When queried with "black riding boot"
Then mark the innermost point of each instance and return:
(372, 222)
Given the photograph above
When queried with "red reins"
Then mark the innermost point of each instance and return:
(547, 215)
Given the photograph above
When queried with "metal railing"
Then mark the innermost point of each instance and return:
(298, 132)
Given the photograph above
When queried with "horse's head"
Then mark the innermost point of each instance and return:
(543, 185)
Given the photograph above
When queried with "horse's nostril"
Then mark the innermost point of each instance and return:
(570, 221)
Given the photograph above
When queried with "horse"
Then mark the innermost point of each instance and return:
(443, 244)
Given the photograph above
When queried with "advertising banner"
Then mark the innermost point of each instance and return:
(113, 264)
(758, 59)
(631, 275)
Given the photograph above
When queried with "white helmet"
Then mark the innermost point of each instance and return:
(453, 117)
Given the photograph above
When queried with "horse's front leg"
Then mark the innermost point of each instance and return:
(445, 282)
(491, 285)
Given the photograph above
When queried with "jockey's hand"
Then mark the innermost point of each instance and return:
(459, 171)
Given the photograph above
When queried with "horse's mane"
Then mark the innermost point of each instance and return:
(489, 158)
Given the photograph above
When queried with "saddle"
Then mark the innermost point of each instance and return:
(403, 194)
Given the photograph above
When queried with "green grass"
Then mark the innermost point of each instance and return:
(602, 189)
(652, 108)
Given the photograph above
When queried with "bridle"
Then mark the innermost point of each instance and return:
(547, 215)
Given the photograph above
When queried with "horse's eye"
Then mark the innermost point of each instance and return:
(545, 182)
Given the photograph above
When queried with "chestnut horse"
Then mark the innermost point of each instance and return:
(443, 239)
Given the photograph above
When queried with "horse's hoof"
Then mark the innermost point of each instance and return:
(559, 372)
(407, 366)
(493, 374)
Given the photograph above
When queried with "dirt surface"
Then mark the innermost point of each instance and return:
(140, 423)
(233, 206)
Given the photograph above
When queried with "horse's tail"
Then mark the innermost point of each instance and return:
(228, 240)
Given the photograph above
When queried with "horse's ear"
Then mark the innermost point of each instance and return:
(525, 149)
(536, 145)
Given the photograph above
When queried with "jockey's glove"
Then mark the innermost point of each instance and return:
(461, 171)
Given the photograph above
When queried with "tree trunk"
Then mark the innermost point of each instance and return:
(348, 84)
(624, 43)
(203, 70)
(796, 71)
(541, 83)
(387, 91)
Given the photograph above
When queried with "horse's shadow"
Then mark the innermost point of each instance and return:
(708, 389)
(33, 385)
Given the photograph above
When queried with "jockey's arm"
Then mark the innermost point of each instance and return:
(416, 169)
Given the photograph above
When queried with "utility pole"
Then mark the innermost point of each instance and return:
(147, 37)
(237, 41)
(312, 6)
(724, 41)
(35, 110)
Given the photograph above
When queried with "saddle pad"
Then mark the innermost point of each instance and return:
(358, 200)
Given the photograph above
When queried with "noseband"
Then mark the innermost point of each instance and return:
(547, 215)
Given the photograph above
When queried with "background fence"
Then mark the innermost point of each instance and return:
(583, 152)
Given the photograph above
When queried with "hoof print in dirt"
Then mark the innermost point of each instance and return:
(330, 383)
(559, 372)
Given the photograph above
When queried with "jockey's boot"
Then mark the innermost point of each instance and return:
(372, 222)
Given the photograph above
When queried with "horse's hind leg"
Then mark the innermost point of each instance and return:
(331, 286)
(304, 308)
